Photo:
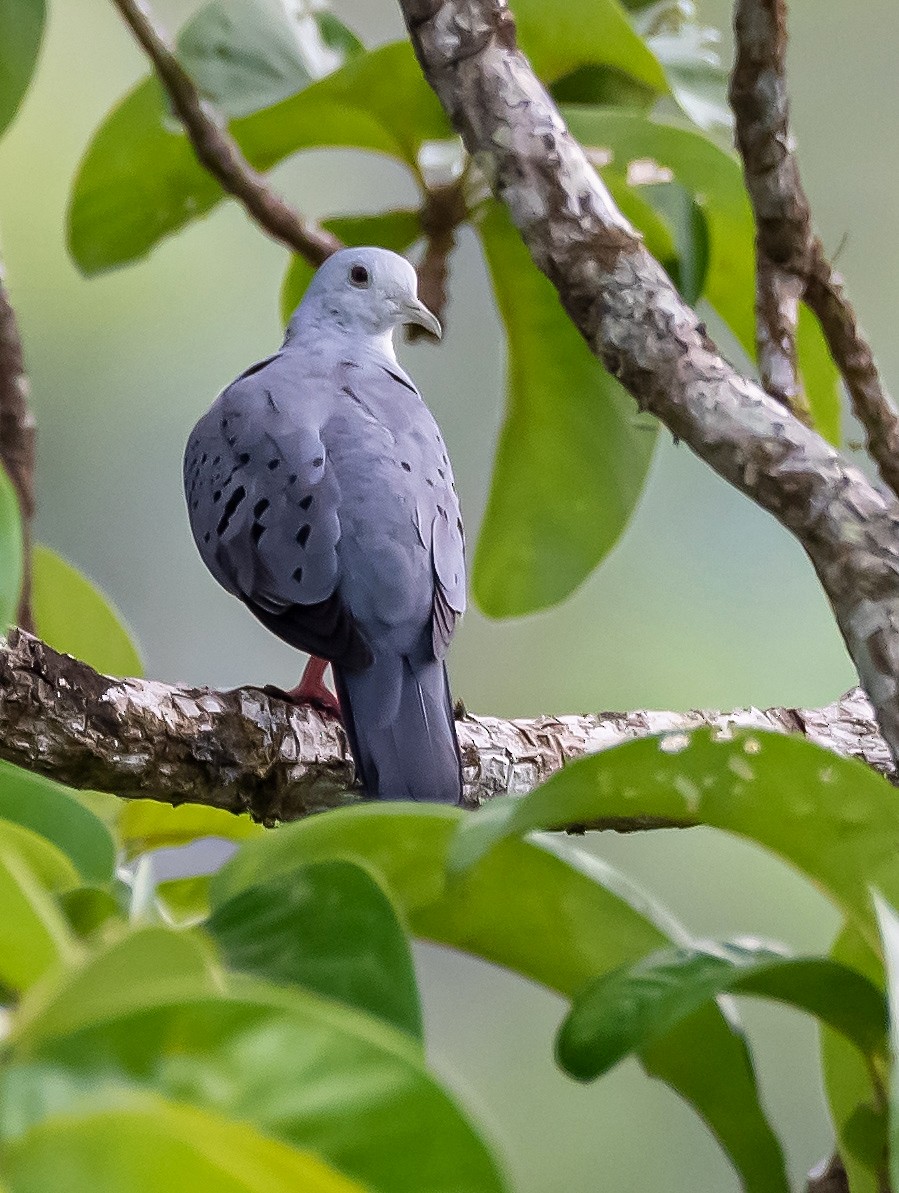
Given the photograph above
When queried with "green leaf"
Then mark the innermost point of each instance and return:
(184, 900)
(50, 865)
(889, 931)
(572, 456)
(854, 1088)
(689, 54)
(306, 1071)
(140, 181)
(328, 927)
(34, 938)
(72, 616)
(820, 377)
(622, 1011)
(250, 54)
(89, 910)
(21, 30)
(10, 547)
(571, 919)
(836, 820)
(395, 230)
(48, 809)
(561, 35)
(148, 1143)
(147, 824)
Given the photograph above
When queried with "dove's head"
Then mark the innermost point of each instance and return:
(365, 292)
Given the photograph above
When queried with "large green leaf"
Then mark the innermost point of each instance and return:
(146, 1144)
(855, 1087)
(392, 230)
(21, 29)
(889, 930)
(250, 54)
(34, 937)
(140, 181)
(10, 550)
(48, 809)
(49, 864)
(572, 457)
(833, 818)
(330, 928)
(571, 920)
(624, 1010)
(146, 824)
(72, 616)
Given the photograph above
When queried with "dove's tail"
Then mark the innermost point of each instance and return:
(399, 719)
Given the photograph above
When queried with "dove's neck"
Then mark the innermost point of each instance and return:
(318, 332)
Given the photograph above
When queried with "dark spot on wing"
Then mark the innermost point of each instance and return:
(260, 507)
(257, 531)
(405, 465)
(298, 575)
(401, 380)
(306, 502)
(230, 507)
(273, 464)
(303, 534)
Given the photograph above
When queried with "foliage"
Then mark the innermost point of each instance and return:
(262, 1030)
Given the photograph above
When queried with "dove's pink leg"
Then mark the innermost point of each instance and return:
(312, 688)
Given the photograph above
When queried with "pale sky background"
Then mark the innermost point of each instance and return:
(706, 602)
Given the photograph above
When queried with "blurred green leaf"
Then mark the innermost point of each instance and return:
(888, 920)
(146, 1144)
(88, 909)
(34, 937)
(571, 919)
(302, 1069)
(855, 1096)
(572, 457)
(559, 36)
(140, 182)
(147, 824)
(820, 377)
(21, 30)
(50, 865)
(245, 55)
(836, 820)
(72, 616)
(184, 900)
(395, 230)
(688, 51)
(624, 1010)
(48, 809)
(330, 928)
(10, 549)
(691, 236)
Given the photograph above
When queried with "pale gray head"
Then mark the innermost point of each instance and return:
(364, 292)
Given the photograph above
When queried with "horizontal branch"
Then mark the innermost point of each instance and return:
(246, 750)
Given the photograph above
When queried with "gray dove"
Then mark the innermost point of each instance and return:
(320, 494)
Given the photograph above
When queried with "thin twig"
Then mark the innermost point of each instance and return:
(17, 437)
(217, 150)
(246, 750)
(791, 259)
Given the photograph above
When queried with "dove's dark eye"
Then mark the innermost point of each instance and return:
(359, 275)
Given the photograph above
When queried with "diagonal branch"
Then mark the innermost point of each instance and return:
(217, 150)
(247, 751)
(17, 437)
(791, 259)
(632, 317)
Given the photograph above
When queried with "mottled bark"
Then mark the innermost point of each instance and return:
(217, 150)
(248, 751)
(17, 436)
(632, 317)
(792, 263)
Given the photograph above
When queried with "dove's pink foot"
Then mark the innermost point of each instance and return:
(312, 688)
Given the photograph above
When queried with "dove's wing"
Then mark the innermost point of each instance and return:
(263, 508)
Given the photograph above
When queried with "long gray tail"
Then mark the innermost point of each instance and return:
(399, 720)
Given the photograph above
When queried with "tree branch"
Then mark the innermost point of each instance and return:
(18, 432)
(632, 317)
(791, 258)
(248, 751)
(217, 150)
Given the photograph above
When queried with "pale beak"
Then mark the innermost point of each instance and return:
(414, 311)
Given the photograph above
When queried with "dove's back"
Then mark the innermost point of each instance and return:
(320, 493)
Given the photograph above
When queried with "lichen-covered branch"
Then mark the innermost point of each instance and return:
(246, 750)
(17, 436)
(632, 317)
(792, 263)
(217, 150)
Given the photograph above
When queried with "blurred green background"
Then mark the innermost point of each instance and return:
(706, 602)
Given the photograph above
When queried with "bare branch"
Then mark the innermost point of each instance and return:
(217, 150)
(632, 317)
(786, 244)
(18, 432)
(248, 751)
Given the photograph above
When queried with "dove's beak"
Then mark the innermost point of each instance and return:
(416, 312)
